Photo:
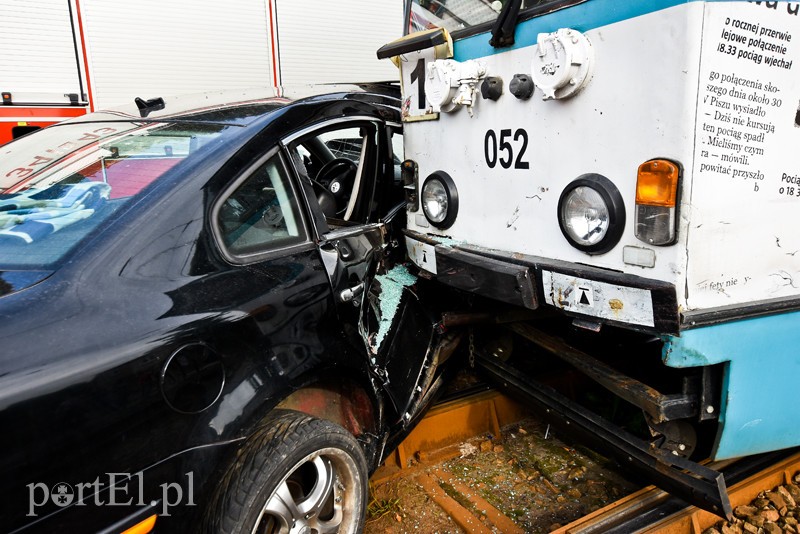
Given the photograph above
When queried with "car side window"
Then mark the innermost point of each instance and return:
(345, 143)
(340, 163)
(261, 213)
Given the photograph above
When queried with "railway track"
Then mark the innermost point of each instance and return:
(432, 461)
(651, 510)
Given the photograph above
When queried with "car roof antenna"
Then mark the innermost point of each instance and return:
(148, 106)
(506, 23)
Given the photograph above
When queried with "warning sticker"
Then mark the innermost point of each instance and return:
(630, 305)
(584, 297)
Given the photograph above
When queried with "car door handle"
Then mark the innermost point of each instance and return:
(351, 292)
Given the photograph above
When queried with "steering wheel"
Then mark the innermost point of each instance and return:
(338, 176)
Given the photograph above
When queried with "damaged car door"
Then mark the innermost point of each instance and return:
(350, 167)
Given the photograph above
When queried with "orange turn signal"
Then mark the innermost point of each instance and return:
(143, 527)
(657, 183)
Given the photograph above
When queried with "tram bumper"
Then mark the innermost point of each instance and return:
(581, 291)
(531, 282)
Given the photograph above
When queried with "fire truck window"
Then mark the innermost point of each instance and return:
(19, 131)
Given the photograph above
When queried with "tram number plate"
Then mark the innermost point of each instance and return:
(413, 78)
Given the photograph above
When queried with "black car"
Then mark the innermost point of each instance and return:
(206, 318)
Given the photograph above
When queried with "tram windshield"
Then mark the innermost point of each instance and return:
(456, 15)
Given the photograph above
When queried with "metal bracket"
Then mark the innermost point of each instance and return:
(659, 406)
(692, 482)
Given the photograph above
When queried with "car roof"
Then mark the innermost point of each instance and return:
(235, 107)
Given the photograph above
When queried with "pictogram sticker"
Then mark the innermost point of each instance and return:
(583, 296)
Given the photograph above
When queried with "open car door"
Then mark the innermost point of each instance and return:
(348, 166)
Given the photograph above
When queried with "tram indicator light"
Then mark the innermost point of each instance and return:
(656, 200)
(657, 183)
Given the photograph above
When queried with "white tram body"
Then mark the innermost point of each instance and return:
(711, 86)
(647, 179)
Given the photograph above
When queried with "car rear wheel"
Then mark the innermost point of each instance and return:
(297, 474)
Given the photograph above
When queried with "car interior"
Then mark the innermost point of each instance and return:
(336, 161)
(341, 163)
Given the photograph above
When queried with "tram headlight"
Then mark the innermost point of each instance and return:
(591, 214)
(440, 199)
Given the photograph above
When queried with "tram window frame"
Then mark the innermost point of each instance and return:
(524, 14)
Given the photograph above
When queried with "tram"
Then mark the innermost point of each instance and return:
(626, 172)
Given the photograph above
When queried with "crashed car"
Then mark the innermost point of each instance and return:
(207, 322)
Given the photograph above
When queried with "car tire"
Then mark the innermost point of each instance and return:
(296, 471)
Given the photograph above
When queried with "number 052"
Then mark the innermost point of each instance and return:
(504, 150)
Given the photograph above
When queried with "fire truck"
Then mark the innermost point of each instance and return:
(626, 173)
(65, 58)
